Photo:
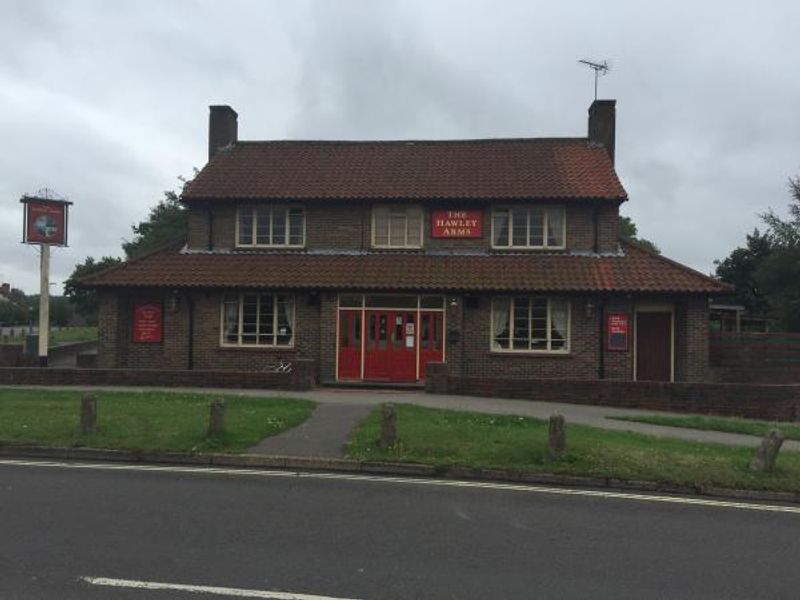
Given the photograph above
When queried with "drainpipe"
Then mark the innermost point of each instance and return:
(190, 341)
(601, 358)
(210, 215)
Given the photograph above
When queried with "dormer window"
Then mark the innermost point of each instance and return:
(271, 226)
(532, 227)
(397, 227)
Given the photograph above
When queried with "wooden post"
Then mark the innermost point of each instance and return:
(767, 453)
(88, 415)
(44, 303)
(556, 437)
(216, 417)
(388, 427)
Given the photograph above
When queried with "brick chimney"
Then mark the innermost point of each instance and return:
(602, 124)
(223, 128)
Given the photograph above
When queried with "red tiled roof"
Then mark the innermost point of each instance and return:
(634, 271)
(537, 168)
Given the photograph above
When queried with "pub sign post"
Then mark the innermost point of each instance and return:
(44, 224)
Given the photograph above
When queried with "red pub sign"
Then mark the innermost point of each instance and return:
(617, 327)
(457, 223)
(45, 221)
(147, 322)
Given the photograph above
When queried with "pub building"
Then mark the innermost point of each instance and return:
(373, 259)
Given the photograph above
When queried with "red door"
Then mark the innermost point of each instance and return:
(430, 340)
(391, 349)
(350, 344)
(653, 346)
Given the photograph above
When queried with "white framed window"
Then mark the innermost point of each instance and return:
(530, 324)
(397, 227)
(529, 227)
(271, 226)
(257, 320)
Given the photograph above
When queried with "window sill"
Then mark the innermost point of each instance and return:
(531, 249)
(268, 247)
(255, 347)
(530, 353)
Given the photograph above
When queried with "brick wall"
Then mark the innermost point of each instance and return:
(348, 226)
(754, 401)
(301, 378)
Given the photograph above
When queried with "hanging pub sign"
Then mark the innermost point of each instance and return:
(617, 326)
(457, 223)
(45, 221)
(147, 322)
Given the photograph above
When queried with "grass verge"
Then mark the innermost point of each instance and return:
(446, 438)
(61, 336)
(144, 421)
(726, 424)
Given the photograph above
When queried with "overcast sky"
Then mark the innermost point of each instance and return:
(106, 102)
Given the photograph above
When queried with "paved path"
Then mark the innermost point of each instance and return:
(595, 416)
(323, 434)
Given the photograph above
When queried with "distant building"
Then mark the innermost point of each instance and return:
(498, 257)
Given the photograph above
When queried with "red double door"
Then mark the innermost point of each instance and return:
(388, 345)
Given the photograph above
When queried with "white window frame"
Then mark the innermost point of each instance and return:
(253, 208)
(511, 350)
(239, 344)
(405, 209)
(546, 209)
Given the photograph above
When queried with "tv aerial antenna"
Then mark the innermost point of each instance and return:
(599, 68)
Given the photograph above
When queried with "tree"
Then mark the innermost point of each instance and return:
(17, 309)
(629, 232)
(166, 223)
(85, 299)
(741, 269)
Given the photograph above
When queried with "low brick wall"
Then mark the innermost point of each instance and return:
(12, 355)
(779, 402)
(301, 377)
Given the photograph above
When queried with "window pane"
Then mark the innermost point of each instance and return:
(384, 301)
(245, 226)
(519, 227)
(266, 323)
(521, 321)
(500, 323)
(279, 227)
(555, 227)
(559, 319)
(249, 319)
(296, 225)
(381, 227)
(539, 323)
(285, 320)
(262, 225)
(432, 301)
(414, 227)
(231, 312)
(397, 229)
(351, 300)
(537, 226)
(500, 227)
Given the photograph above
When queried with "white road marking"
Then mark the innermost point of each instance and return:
(203, 589)
(511, 487)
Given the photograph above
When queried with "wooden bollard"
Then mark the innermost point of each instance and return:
(556, 437)
(216, 417)
(767, 453)
(88, 415)
(388, 427)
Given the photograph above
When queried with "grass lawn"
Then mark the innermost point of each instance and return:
(69, 334)
(144, 420)
(450, 438)
(727, 424)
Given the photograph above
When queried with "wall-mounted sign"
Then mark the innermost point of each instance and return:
(45, 221)
(147, 322)
(617, 328)
(457, 223)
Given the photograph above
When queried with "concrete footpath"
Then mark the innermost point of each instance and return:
(346, 399)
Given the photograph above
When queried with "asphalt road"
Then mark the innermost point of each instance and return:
(373, 539)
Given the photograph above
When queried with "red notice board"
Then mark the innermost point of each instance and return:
(147, 322)
(617, 332)
(457, 223)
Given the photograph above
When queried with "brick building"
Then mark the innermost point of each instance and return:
(499, 257)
